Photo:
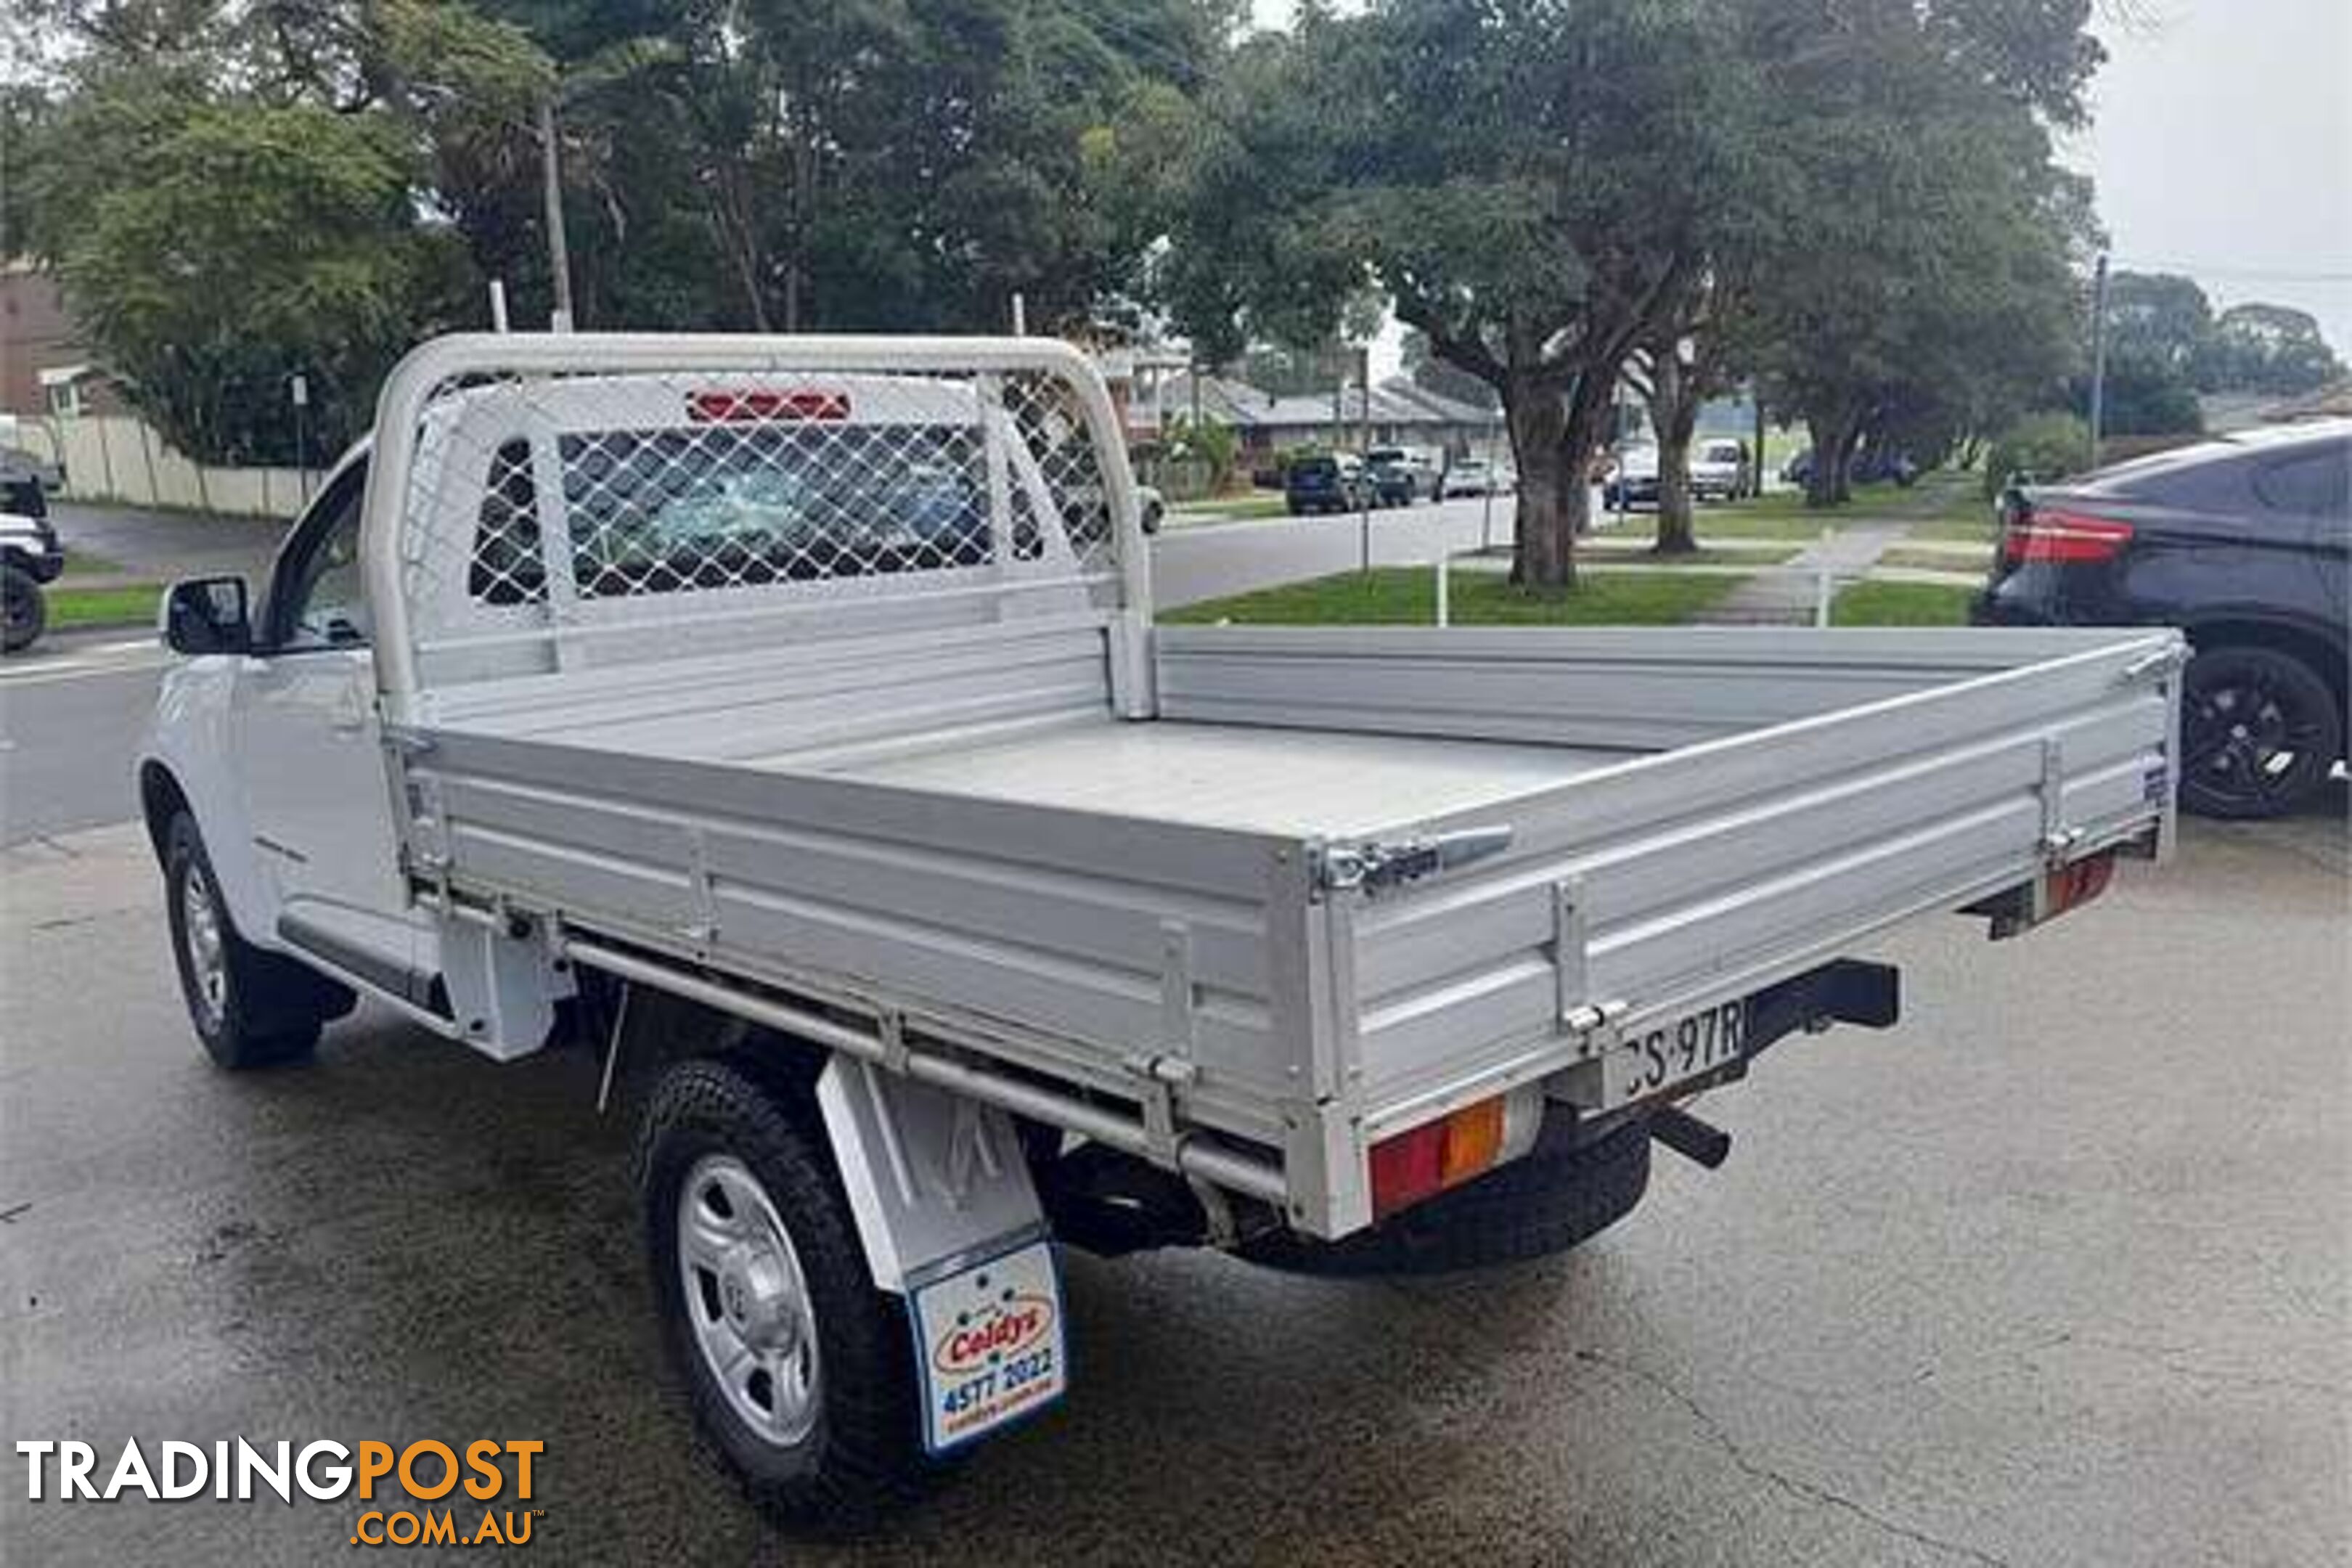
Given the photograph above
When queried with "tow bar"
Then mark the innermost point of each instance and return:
(1686, 1135)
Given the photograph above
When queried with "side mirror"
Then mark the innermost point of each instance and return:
(206, 614)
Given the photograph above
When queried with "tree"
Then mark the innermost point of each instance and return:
(1689, 355)
(2256, 347)
(1922, 278)
(893, 164)
(1525, 183)
(213, 247)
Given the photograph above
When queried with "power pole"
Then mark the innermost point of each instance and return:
(2098, 354)
(559, 253)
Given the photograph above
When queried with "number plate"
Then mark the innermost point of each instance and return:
(1674, 1052)
(988, 1344)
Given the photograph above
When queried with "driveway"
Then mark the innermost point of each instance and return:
(2054, 1273)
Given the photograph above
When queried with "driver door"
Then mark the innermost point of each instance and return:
(318, 794)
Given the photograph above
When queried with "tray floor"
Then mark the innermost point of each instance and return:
(1224, 775)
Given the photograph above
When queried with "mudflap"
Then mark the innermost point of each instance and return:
(950, 1220)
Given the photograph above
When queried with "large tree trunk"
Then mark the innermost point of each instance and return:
(1833, 431)
(1544, 554)
(1553, 438)
(1674, 412)
(1846, 462)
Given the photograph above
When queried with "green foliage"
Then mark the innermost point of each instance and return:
(2256, 347)
(216, 247)
(1212, 441)
(232, 193)
(2041, 446)
(2164, 344)
(1921, 285)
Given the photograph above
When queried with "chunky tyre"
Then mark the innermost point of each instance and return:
(250, 1007)
(800, 1372)
(1544, 1203)
(2260, 730)
(24, 614)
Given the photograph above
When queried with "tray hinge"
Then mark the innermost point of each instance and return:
(1373, 864)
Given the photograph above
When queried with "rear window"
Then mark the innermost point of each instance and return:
(659, 512)
(1315, 467)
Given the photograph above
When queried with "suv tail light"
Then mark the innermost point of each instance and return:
(2061, 538)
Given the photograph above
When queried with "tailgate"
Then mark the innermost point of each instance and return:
(1703, 873)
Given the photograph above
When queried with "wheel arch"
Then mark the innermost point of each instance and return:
(160, 799)
(2326, 656)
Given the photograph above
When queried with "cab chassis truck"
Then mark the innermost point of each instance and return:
(787, 717)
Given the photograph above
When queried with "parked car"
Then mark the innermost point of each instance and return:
(1871, 465)
(2241, 542)
(1719, 468)
(1401, 475)
(16, 461)
(1633, 478)
(1469, 476)
(29, 556)
(1328, 482)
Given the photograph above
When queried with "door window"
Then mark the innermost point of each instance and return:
(2314, 485)
(316, 602)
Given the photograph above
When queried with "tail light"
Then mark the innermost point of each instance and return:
(2063, 538)
(1426, 1160)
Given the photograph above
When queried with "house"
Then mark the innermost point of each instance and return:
(46, 369)
(1399, 412)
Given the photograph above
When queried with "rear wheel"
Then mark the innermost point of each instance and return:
(2260, 730)
(250, 1007)
(1543, 1204)
(800, 1371)
(24, 614)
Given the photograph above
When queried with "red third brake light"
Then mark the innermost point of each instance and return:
(759, 405)
(2063, 538)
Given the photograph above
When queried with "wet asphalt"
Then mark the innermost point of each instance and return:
(2056, 1272)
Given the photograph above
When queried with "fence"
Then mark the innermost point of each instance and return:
(120, 458)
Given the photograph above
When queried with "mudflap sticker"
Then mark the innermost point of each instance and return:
(988, 1344)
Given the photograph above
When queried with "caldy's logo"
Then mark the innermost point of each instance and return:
(998, 1331)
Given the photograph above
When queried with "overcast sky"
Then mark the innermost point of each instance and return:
(2222, 148)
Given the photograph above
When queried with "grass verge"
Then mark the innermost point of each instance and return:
(1227, 508)
(81, 563)
(103, 607)
(1407, 596)
(1902, 605)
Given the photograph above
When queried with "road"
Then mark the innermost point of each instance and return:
(2055, 1273)
(70, 715)
(72, 709)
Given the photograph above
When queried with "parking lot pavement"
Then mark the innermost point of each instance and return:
(2054, 1273)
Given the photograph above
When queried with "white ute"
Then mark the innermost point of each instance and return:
(785, 719)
